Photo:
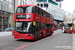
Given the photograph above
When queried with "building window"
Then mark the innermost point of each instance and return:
(23, 2)
(20, 2)
(45, 0)
(4, 0)
(42, 1)
(41, 5)
(12, 1)
(5, 7)
(2, 5)
(38, 4)
(46, 5)
(8, 7)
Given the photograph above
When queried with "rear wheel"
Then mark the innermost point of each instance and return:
(64, 31)
(50, 33)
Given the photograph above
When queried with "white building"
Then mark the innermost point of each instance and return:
(57, 12)
(68, 17)
(6, 9)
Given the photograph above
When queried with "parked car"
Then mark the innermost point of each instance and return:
(9, 29)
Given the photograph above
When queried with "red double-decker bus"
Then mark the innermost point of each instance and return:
(32, 23)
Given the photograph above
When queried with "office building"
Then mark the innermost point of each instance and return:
(6, 9)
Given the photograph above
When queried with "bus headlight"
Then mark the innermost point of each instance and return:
(34, 22)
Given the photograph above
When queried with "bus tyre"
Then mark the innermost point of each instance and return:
(64, 31)
(41, 35)
(50, 33)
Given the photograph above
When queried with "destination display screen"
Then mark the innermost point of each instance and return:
(28, 16)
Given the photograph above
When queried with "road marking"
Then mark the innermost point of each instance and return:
(32, 43)
(3, 43)
(63, 47)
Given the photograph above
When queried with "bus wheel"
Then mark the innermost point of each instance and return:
(64, 31)
(41, 35)
(50, 33)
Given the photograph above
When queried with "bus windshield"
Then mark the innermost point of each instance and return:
(23, 26)
(27, 9)
(68, 24)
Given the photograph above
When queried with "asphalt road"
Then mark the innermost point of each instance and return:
(59, 41)
(74, 41)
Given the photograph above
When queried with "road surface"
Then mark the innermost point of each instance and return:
(58, 41)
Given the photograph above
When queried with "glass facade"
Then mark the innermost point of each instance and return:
(22, 2)
(42, 0)
(48, 1)
(6, 9)
(52, 2)
(58, 13)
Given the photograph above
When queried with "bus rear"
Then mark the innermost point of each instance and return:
(67, 28)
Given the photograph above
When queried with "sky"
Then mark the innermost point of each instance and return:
(68, 5)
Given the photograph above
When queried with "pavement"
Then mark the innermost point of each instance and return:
(74, 41)
(5, 34)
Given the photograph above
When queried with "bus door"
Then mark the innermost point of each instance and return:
(36, 30)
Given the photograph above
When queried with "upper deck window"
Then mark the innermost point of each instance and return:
(27, 9)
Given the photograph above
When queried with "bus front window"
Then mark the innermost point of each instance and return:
(67, 25)
(27, 9)
(24, 26)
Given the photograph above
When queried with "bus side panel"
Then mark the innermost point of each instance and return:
(73, 30)
(44, 32)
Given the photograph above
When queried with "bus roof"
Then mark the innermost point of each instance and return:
(34, 5)
(27, 5)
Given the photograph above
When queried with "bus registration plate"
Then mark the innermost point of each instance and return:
(22, 38)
